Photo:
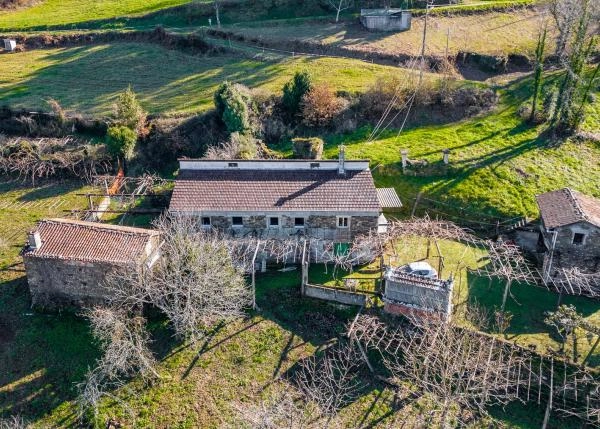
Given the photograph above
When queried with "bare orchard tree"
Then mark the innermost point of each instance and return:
(339, 6)
(195, 283)
(14, 422)
(330, 380)
(124, 342)
(283, 410)
(457, 368)
(217, 6)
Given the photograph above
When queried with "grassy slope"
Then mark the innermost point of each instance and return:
(501, 163)
(86, 79)
(75, 12)
(496, 33)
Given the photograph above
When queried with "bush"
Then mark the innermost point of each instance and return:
(295, 90)
(238, 146)
(308, 148)
(233, 104)
(320, 105)
(128, 111)
(120, 141)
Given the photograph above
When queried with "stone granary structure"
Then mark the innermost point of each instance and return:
(416, 296)
(569, 232)
(67, 260)
(333, 200)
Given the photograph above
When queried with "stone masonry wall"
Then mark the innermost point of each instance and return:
(57, 283)
(585, 256)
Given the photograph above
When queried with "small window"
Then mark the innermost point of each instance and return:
(232, 164)
(578, 238)
(299, 222)
(343, 222)
(237, 221)
(205, 221)
(315, 164)
(273, 221)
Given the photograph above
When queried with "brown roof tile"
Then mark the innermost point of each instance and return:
(565, 207)
(274, 190)
(90, 242)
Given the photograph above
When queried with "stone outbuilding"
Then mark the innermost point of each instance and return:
(386, 19)
(67, 260)
(569, 232)
(334, 200)
(413, 295)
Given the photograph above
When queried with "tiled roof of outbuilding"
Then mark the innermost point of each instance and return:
(565, 207)
(274, 190)
(90, 242)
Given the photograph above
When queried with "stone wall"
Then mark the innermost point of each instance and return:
(586, 256)
(319, 226)
(57, 283)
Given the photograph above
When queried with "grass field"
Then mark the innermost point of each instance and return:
(52, 13)
(86, 79)
(495, 33)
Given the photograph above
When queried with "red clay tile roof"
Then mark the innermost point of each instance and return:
(565, 207)
(274, 190)
(90, 242)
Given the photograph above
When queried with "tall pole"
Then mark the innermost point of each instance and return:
(424, 41)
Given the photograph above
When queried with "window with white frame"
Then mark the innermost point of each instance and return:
(299, 222)
(237, 221)
(206, 222)
(343, 221)
(274, 222)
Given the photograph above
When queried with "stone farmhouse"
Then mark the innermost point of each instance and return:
(67, 261)
(334, 200)
(569, 232)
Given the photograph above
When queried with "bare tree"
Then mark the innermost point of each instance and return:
(330, 380)
(283, 410)
(457, 368)
(217, 6)
(15, 422)
(339, 6)
(124, 342)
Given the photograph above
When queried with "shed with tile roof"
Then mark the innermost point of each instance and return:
(570, 231)
(67, 261)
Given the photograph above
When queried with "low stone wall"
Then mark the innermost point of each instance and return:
(335, 295)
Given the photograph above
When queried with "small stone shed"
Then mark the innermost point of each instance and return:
(67, 260)
(416, 296)
(386, 19)
(569, 232)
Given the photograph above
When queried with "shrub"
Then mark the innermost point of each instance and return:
(295, 90)
(232, 102)
(128, 111)
(308, 148)
(238, 146)
(320, 105)
(120, 141)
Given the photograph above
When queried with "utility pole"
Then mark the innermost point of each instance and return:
(427, 7)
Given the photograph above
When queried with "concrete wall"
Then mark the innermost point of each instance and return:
(400, 21)
(586, 256)
(57, 283)
(335, 295)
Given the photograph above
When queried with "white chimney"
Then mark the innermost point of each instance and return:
(35, 240)
(341, 161)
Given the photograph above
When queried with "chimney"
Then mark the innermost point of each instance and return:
(341, 161)
(35, 240)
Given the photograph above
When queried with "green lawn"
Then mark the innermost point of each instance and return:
(87, 79)
(498, 162)
(65, 13)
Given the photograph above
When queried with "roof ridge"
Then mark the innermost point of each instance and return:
(101, 226)
(576, 204)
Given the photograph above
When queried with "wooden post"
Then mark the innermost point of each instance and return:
(414, 209)
(549, 406)
(254, 276)
(591, 351)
